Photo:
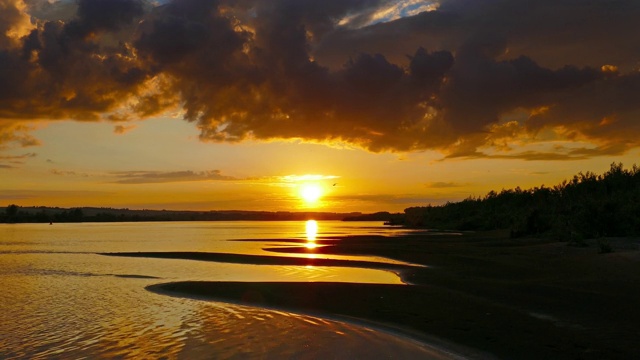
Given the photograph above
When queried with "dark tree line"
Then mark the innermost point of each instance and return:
(587, 206)
(16, 214)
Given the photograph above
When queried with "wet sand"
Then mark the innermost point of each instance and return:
(263, 259)
(514, 299)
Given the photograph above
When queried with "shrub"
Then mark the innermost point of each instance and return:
(604, 247)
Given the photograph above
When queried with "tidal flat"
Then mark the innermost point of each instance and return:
(483, 294)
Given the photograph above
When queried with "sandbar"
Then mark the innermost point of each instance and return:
(510, 298)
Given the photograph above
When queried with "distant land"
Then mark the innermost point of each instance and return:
(584, 207)
(42, 214)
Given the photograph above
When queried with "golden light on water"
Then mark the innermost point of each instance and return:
(311, 228)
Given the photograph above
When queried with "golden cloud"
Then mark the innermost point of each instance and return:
(270, 70)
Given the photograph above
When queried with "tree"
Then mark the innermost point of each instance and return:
(12, 210)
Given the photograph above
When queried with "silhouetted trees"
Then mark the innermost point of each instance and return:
(71, 215)
(587, 206)
(11, 214)
(16, 214)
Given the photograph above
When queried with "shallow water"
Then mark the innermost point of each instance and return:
(62, 300)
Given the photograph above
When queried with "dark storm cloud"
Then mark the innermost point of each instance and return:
(554, 32)
(64, 70)
(446, 79)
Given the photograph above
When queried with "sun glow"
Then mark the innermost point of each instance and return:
(310, 193)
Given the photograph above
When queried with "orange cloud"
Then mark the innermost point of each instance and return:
(291, 70)
(16, 133)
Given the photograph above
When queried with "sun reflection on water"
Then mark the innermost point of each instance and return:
(311, 227)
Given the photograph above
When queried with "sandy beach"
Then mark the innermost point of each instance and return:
(483, 293)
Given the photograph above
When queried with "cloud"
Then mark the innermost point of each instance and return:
(16, 133)
(48, 194)
(75, 69)
(381, 75)
(14, 22)
(306, 178)
(15, 160)
(444, 185)
(559, 153)
(68, 173)
(290, 181)
(385, 199)
(570, 33)
(150, 177)
(18, 157)
(122, 129)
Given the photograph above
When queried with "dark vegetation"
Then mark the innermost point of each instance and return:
(587, 206)
(17, 214)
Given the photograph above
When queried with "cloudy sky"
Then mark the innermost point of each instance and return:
(338, 105)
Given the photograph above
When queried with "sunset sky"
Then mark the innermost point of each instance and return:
(338, 105)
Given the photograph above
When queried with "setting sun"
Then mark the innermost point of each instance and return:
(310, 193)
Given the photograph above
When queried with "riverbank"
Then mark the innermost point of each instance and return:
(522, 298)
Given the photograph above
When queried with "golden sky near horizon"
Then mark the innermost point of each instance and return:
(310, 105)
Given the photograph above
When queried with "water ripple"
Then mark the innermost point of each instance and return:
(61, 301)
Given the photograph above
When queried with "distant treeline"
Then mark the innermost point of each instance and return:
(587, 206)
(17, 214)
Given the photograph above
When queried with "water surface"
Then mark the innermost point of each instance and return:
(62, 300)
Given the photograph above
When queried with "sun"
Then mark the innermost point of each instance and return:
(310, 193)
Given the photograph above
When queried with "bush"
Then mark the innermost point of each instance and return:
(604, 247)
(577, 239)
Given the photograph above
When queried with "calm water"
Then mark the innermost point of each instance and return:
(60, 299)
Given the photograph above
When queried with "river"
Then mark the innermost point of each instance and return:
(61, 299)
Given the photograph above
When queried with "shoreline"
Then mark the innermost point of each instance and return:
(265, 260)
(512, 298)
(227, 292)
